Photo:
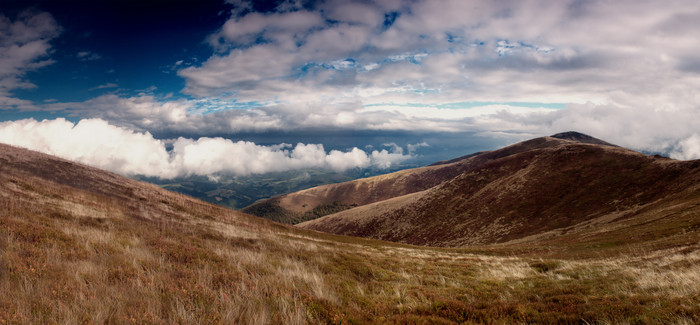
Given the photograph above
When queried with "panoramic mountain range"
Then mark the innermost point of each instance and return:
(561, 229)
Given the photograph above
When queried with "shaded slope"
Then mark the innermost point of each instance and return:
(524, 190)
(80, 245)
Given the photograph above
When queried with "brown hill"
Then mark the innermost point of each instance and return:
(327, 199)
(81, 245)
(546, 185)
(323, 200)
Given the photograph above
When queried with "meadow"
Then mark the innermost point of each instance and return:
(84, 246)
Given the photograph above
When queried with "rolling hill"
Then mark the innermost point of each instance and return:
(309, 204)
(81, 245)
(326, 199)
(557, 185)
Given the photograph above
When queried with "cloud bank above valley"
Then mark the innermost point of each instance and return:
(97, 143)
(624, 71)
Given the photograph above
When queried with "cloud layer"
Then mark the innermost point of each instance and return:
(395, 64)
(451, 50)
(499, 69)
(97, 143)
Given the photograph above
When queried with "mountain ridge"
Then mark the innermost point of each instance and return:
(322, 200)
(522, 190)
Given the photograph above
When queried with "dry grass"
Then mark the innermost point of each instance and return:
(141, 255)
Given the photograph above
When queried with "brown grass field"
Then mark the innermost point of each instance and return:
(83, 246)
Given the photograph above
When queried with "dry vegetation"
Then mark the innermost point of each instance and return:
(316, 202)
(79, 245)
(541, 186)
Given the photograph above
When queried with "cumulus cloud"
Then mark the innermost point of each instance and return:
(24, 47)
(93, 142)
(386, 159)
(97, 143)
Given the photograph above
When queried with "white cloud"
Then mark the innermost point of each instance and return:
(412, 148)
(688, 148)
(97, 143)
(635, 86)
(386, 159)
(394, 147)
(641, 128)
(353, 12)
(24, 47)
(280, 27)
(93, 142)
(144, 112)
(567, 51)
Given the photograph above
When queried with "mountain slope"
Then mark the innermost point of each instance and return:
(81, 245)
(525, 190)
(327, 199)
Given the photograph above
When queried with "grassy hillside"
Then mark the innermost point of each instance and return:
(555, 186)
(237, 192)
(79, 245)
(312, 203)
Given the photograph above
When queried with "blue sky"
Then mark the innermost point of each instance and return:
(108, 46)
(340, 84)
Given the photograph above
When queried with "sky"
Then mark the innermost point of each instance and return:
(178, 88)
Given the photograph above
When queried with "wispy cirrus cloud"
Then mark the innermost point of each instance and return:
(87, 56)
(108, 85)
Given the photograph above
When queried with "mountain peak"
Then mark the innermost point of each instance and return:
(580, 137)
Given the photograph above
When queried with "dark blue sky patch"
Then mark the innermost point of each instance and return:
(134, 44)
(389, 19)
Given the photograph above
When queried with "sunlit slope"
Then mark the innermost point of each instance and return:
(80, 245)
(546, 185)
(326, 199)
